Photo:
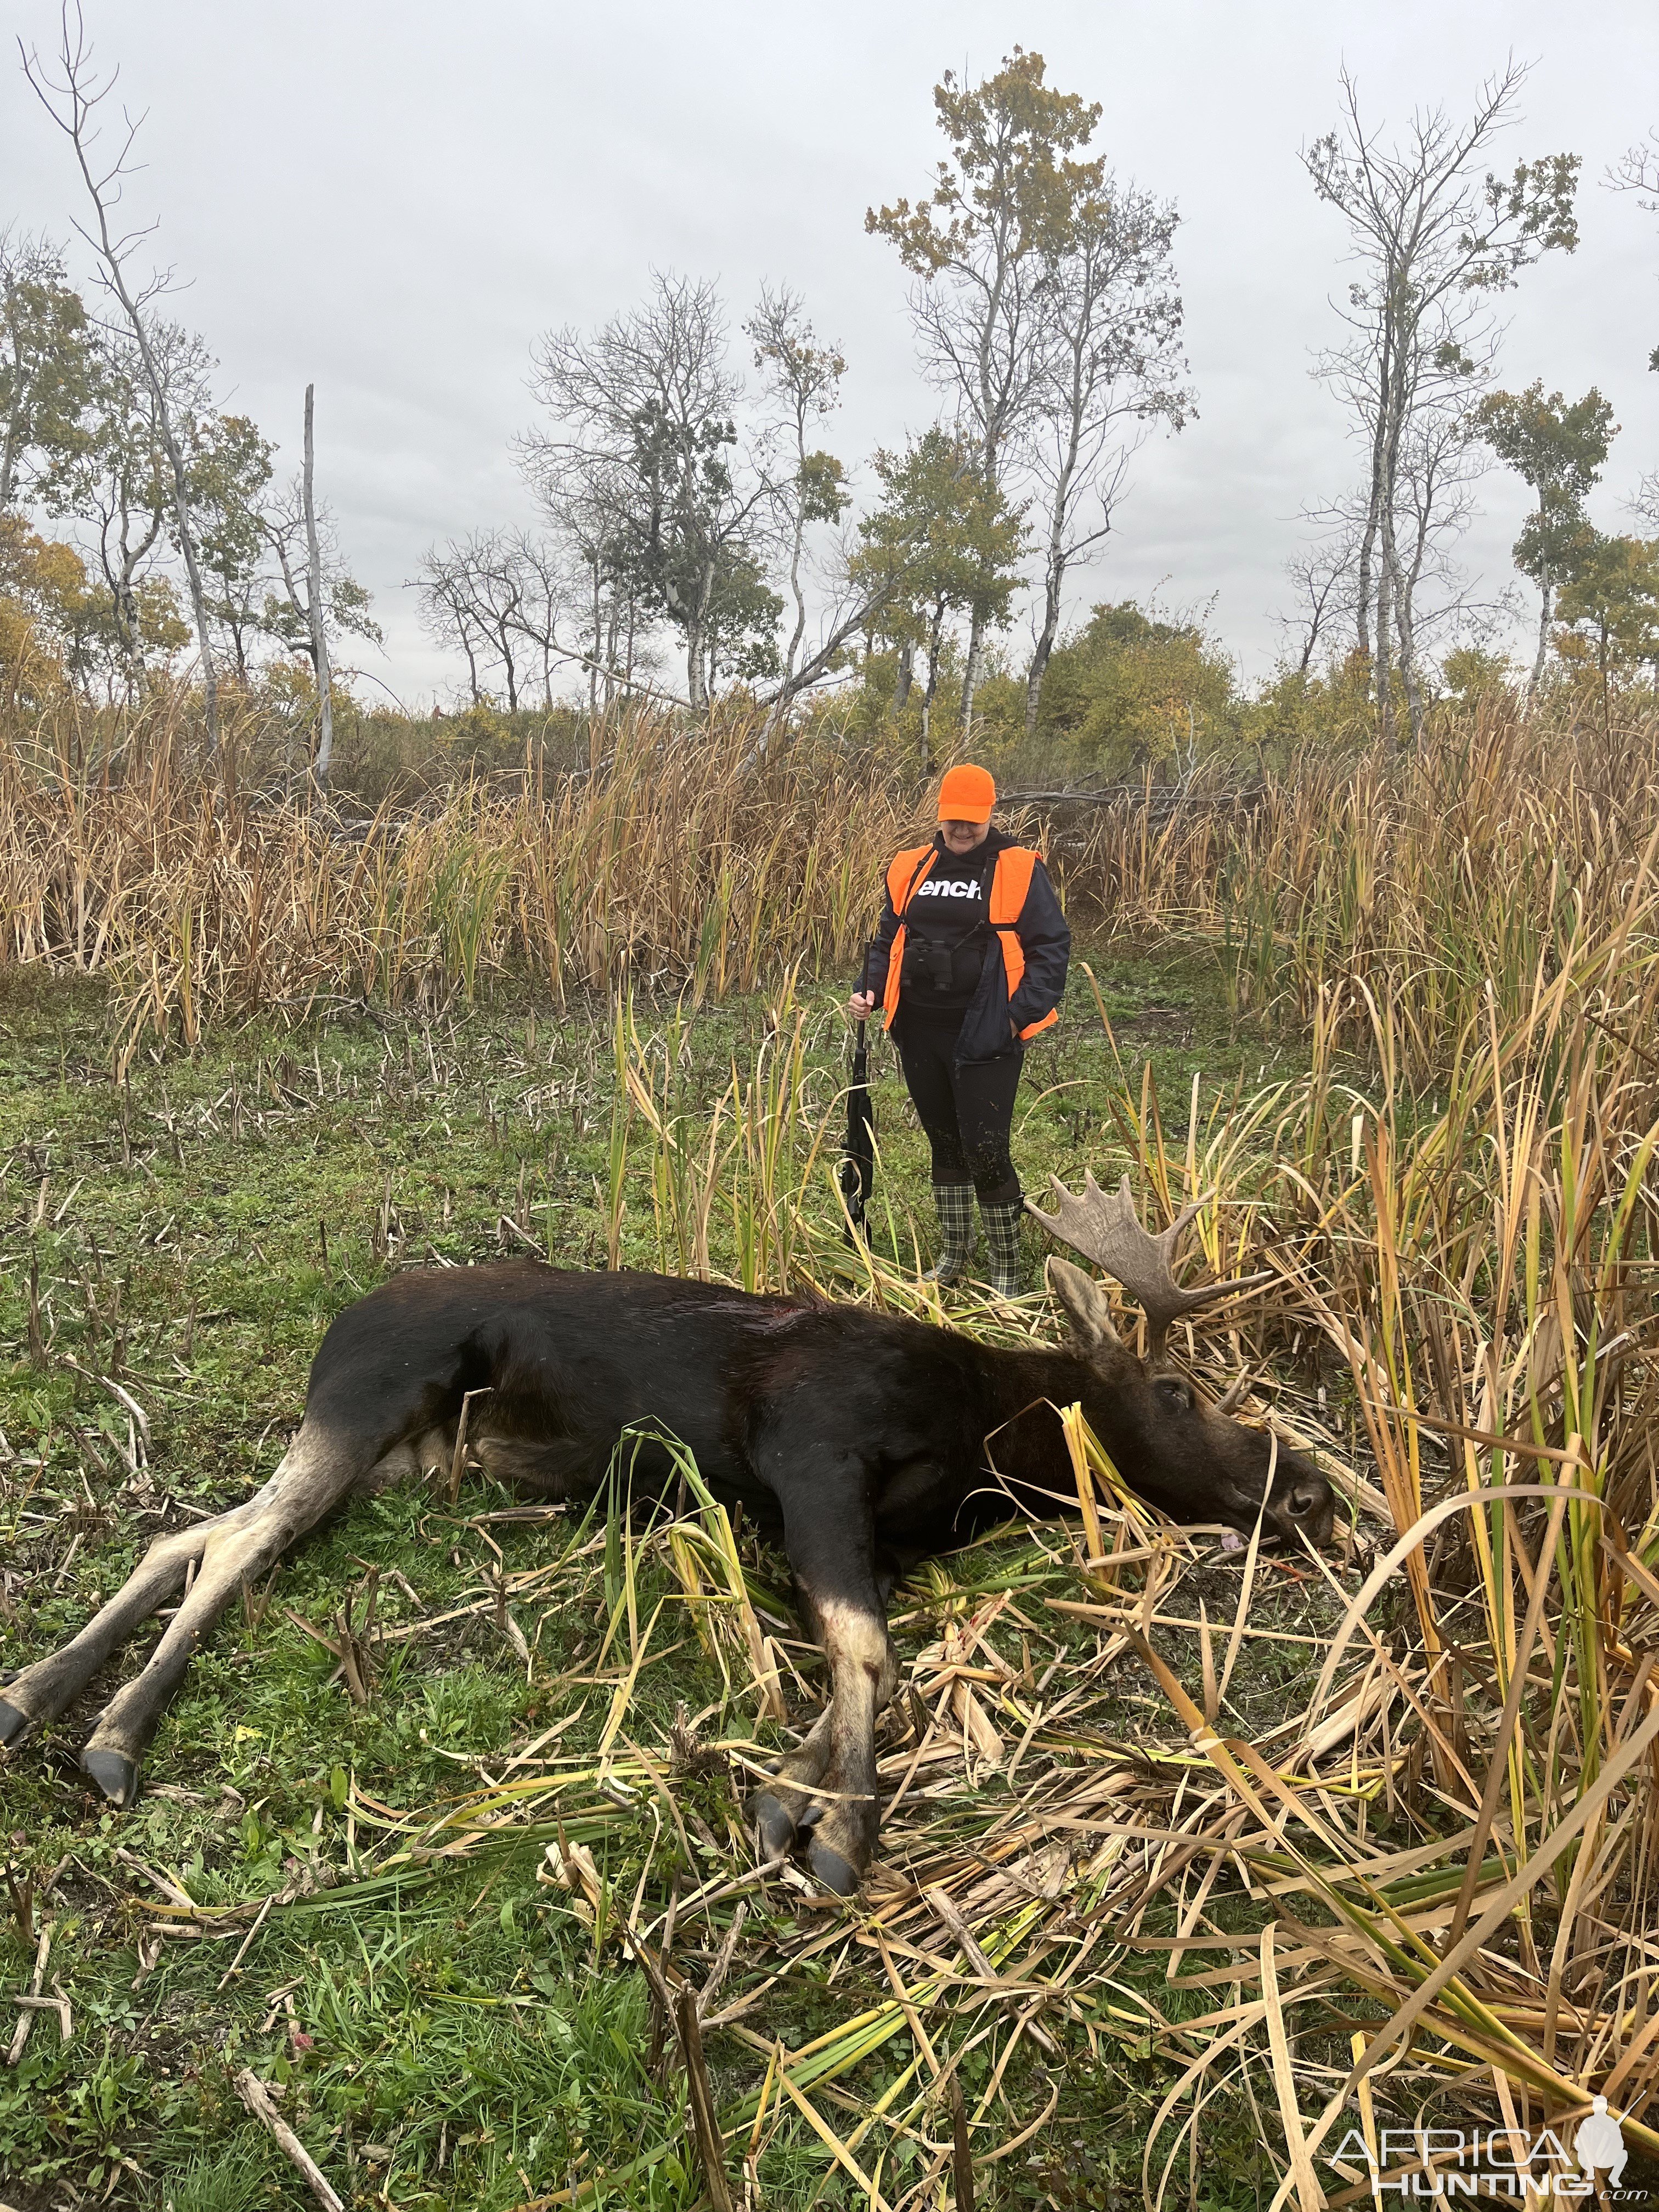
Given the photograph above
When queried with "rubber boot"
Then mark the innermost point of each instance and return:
(1002, 1245)
(954, 1202)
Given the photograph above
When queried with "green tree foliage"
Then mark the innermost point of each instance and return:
(1558, 447)
(1132, 689)
(54, 616)
(118, 482)
(1609, 607)
(942, 543)
(1304, 708)
(742, 622)
(229, 467)
(1473, 672)
(45, 368)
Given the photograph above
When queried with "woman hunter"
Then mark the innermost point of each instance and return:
(972, 960)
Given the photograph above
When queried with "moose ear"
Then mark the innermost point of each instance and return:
(1084, 1302)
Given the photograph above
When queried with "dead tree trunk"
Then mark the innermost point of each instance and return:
(325, 758)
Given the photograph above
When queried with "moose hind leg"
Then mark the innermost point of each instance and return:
(42, 1691)
(319, 1470)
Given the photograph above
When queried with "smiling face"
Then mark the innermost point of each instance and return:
(1189, 1460)
(962, 838)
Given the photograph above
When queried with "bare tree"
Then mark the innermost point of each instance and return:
(318, 627)
(445, 603)
(72, 100)
(500, 596)
(1439, 467)
(1637, 170)
(472, 593)
(1323, 574)
(1110, 360)
(1434, 240)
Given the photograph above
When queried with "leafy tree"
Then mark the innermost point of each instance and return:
(1307, 707)
(227, 468)
(981, 247)
(45, 367)
(1131, 690)
(118, 479)
(943, 543)
(744, 614)
(73, 99)
(1609, 606)
(1558, 447)
(45, 588)
(645, 415)
(1473, 672)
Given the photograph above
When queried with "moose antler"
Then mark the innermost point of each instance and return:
(1107, 1230)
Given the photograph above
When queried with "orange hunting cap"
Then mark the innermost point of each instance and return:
(966, 794)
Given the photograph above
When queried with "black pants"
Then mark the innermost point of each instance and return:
(967, 1112)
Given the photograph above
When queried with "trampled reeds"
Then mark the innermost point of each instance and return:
(1451, 1842)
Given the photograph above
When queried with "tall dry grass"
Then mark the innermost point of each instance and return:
(664, 855)
(1392, 904)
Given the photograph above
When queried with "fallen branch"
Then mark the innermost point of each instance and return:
(254, 2094)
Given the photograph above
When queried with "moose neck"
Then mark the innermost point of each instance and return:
(1025, 1442)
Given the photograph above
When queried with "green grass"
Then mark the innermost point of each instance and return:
(453, 2041)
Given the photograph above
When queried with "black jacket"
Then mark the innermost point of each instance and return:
(990, 1024)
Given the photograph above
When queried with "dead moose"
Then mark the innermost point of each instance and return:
(870, 1440)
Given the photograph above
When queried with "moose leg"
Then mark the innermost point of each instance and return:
(828, 1786)
(40, 1693)
(234, 1547)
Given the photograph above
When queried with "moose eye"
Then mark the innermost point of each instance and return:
(1174, 1397)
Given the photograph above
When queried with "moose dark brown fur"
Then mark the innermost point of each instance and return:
(868, 1441)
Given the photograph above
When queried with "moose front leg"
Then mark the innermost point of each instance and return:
(828, 1788)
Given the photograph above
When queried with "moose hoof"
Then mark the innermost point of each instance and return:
(834, 1871)
(115, 1775)
(773, 1826)
(12, 1723)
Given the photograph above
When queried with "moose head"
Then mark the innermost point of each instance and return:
(1189, 1457)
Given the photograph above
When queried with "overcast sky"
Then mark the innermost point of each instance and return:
(392, 201)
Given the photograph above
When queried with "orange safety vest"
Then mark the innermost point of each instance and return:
(1009, 885)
